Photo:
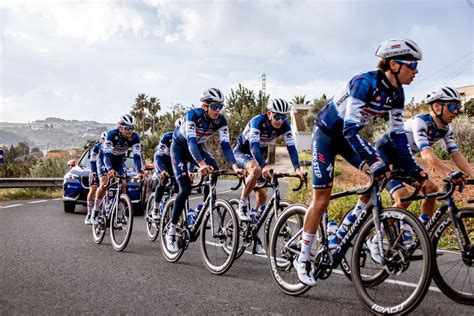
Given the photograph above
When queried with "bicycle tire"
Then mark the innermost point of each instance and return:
(120, 234)
(225, 236)
(384, 297)
(165, 219)
(443, 232)
(152, 226)
(287, 283)
(270, 222)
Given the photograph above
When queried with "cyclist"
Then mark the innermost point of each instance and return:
(116, 145)
(336, 131)
(163, 168)
(97, 156)
(258, 134)
(187, 146)
(423, 131)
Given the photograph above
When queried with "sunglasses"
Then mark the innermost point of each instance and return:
(410, 64)
(279, 117)
(453, 107)
(216, 106)
(129, 128)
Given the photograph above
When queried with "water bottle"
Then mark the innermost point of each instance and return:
(253, 215)
(197, 211)
(332, 238)
(407, 232)
(424, 219)
(191, 217)
(161, 207)
(346, 225)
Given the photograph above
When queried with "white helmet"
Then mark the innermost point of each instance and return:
(127, 120)
(278, 106)
(401, 48)
(443, 93)
(103, 136)
(178, 122)
(212, 95)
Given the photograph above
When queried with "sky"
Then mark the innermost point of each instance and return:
(88, 60)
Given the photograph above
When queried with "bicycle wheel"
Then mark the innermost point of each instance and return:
(453, 273)
(234, 202)
(271, 220)
(121, 228)
(98, 231)
(284, 247)
(152, 226)
(405, 281)
(217, 234)
(181, 232)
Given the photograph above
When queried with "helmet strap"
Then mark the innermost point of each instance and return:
(395, 74)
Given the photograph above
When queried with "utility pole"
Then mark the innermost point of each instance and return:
(264, 85)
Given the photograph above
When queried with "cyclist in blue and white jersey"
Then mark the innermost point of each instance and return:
(116, 145)
(163, 167)
(423, 131)
(187, 146)
(96, 161)
(365, 97)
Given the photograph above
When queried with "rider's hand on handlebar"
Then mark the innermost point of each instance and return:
(112, 173)
(141, 176)
(420, 176)
(379, 169)
(302, 174)
(204, 169)
(457, 177)
(239, 171)
(93, 175)
(163, 175)
(267, 172)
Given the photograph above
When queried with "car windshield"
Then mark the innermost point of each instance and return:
(84, 161)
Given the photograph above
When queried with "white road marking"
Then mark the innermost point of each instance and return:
(40, 201)
(13, 205)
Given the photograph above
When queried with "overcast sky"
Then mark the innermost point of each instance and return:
(88, 60)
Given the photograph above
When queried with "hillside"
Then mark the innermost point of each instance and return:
(51, 133)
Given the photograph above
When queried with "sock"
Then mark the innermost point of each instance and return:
(90, 205)
(243, 202)
(359, 207)
(307, 240)
(172, 230)
(96, 205)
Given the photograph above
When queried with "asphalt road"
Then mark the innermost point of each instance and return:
(50, 265)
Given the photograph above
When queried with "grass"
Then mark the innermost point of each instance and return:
(29, 194)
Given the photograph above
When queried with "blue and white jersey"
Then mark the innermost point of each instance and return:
(422, 133)
(366, 97)
(259, 134)
(162, 152)
(97, 157)
(116, 147)
(196, 130)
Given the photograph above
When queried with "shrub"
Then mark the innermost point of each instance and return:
(49, 168)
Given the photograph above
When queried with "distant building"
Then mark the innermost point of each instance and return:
(57, 153)
(466, 92)
(302, 138)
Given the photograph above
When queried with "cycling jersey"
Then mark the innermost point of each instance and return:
(116, 147)
(97, 157)
(422, 133)
(162, 160)
(366, 96)
(197, 128)
(258, 134)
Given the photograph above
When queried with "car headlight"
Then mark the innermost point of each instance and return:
(71, 175)
(135, 179)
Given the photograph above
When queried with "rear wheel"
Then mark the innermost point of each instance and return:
(271, 220)
(121, 223)
(234, 202)
(181, 232)
(98, 231)
(152, 226)
(284, 247)
(217, 233)
(453, 273)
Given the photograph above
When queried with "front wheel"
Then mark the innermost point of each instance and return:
(453, 272)
(234, 202)
(218, 233)
(98, 231)
(181, 232)
(121, 223)
(400, 283)
(271, 220)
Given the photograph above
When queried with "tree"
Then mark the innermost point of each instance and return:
(316, 106)
(468, 108)
(300, 100)
(138, 111)
(154, 107)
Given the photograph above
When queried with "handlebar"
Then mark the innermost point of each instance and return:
(449, 190)
(269, 182)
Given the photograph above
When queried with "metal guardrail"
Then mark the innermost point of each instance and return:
(10, 183)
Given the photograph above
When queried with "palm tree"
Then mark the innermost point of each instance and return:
(300, 99)
(154, 107)
(138, 111)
